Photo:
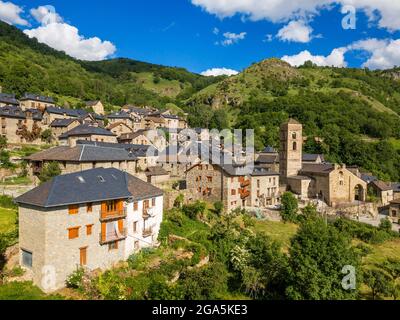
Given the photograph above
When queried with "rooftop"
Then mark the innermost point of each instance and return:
(93, 185)
(8, 98)
(139, 150)
(86, 130)
(17, 112)
(37, 97)
(62, 123)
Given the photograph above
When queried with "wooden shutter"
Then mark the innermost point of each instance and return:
(83, 256)
(121, 225)
(73, 209)
(120, 206)
(73, 233)
(103, 231)
(89, 229)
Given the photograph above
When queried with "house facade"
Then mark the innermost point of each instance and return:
(97, 106)
(88, 133)
(92, 219)
(35, 101)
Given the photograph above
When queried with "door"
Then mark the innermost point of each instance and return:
(83, 256)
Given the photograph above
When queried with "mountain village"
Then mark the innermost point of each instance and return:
(120, 171)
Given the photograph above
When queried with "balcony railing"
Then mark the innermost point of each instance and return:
(113, 215)
(147, 232)
(112, 236)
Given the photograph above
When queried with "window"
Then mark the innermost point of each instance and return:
(258, 183)
(113, 246)
(73, 209)
(209, 179)
(233, 192)
(73, 233)
(258, 193)
(137, 245)
(111, 206)
(394, 213)
(294, 135)
(232, 179)
(89, 230)
(26, 258)
(89, 207)
(136, 206)
(153, 202)
(135, 226)
(83, 256)
(294, 146)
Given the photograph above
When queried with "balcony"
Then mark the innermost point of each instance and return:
(147, 232)
(113, 215)
(245, 183)
(112, 237)
(244, 194)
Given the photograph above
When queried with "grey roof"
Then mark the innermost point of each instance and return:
(83, 153)
(62, 123)
(37, 97)
(269, 149)
(309, 157)
(62, 111)
(396, 186)
(324, 168)
(17, 112)
(138, 110)
(382, 186)
(156, 171)
(8, 98)
(119, 115)
(368, 178)
(89, 186)
(267, 159)
(260, 171)
(139, 150)
(86, 130)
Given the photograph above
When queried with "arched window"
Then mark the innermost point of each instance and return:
(294, 135)
(294, 146)
(341, 178)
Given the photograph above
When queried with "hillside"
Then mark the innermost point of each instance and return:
(28, 66)
(354, 111)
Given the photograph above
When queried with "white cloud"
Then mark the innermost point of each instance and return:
(285, 10)
(11, 13)
(214, 72)
(64, 37)
(296, 31)
(384, 54)
(268, 38)
(232, 38)
(216, 31)
(335, 58)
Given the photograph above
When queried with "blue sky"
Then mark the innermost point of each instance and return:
(205, 34)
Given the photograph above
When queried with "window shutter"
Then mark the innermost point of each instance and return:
(121, 225)
(103, 231)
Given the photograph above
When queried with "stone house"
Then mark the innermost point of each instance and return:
(91, 219)
(157, 175)
(87, 132)
(382, 190)
(394, 210)
(35, 101)
(56, 113)
(96, 106)
(19, 126)
(233, 185)
(138, 137)
(60, 126)
(120, 116)
(83, 157)
(120, 129)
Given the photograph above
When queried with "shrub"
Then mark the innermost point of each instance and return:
(386, 225)
(7, 202)
(74, 280)
(49, 171)
(218, 207)
(289, 207)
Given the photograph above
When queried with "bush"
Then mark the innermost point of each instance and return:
(289, 207)
(74, 280)
(49, 171)
(385, 225)
(218, 207)
(7, 202)
(194, 210)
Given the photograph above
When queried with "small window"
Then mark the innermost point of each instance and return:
(136, 206)
(113, 246)
(233, 192)
(137, 245)
(135, 227)
(209, 179)
(73, 233)
(153, 202)
(294, 135)
(294, 146)
(258, 183)
(27, 259)
(89, 230)
(73, 209)
(89, 207)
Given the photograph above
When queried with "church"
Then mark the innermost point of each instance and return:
(332, 183)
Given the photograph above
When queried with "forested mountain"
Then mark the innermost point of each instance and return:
(29, 66)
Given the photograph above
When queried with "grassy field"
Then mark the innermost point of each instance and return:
(7, 220)
(279, 231)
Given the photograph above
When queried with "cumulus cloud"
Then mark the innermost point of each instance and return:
(11, 13)
(335, 58)
(232, 38)
(61, 36)
(285, 10)
(296, 31)
(384, 54)
(214, 72)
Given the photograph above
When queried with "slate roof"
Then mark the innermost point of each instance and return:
(62, 123)
(382, 186)
(156, 171)
(261, 172)
(324, 168)
(139, 150)
(8, 98)
(93, 185)
(116, 124)
(396, 187)
(83, 153)
(269, 149)
(37, 97)
(61, 111)
(267, 159)
(138, 110)
(119, 115)
(368, 178)
(18, 113)
(309, 157)
(86, 130)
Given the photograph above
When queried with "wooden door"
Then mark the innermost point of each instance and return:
(83, 256)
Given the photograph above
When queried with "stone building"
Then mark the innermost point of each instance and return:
(60, 126)
(87, 132)
(21, 126)
(96, 106)
(91, 219)
(157, 175)
(35, 101)
(138, 137)
(120, 116)
(332, 183)
(83, 157)
(8, 99)
(381, 190)
(120, 129)
(394, 210)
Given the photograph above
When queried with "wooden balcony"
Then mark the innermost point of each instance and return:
(113, 215)
(245, 183)
(245, 194)
(112, 237)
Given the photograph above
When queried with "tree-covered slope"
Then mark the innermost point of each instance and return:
(29, 66)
